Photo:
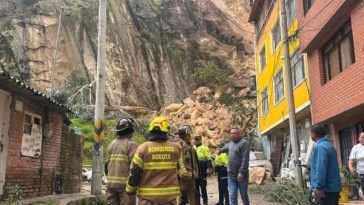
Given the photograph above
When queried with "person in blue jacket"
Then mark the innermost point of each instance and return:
(325, 174)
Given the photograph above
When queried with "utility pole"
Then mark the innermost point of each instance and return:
(97, 162)
(56, 49)
(289, 90)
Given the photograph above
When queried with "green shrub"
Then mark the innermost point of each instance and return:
(351, 179)
(15, 194)
(86, 129)
(242, 111)
(282, 191)
(209, 74)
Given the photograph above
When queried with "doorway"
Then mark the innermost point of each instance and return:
(345, 144)
(4, 138)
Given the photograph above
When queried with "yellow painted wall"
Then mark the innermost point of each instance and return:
(274, 63)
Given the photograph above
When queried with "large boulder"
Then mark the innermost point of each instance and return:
(172, 108)
(212, 123)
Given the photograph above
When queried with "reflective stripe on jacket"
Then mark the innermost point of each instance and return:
(120, 154)
(160, 162)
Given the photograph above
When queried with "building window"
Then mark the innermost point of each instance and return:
(262, 59)
(278, 86)
(27, 128)
(307, 5)
(260, 22)
(291, 11)
(253, 83)
(304, 134)
(264, 12)
(359, 128)
(32, 135)
(276, 35)
(338, 53)
(298, 68)
(265, 103)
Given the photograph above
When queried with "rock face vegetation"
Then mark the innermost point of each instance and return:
(159, 52)
(154, 47)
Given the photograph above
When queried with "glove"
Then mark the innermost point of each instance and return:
(187, 176)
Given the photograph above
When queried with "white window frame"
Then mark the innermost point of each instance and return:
(33, 116)
(293, 70)
(265, 90)
(273, 46)
(277, 101)
(260, 58)
(295, 12)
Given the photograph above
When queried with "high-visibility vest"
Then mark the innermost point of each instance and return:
(224, 158)
(203, 152)
(160, 163)
(120, 154)
(221, 162)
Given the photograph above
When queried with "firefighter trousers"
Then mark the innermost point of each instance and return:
(147, 202)
(188, 192)
(119, 197)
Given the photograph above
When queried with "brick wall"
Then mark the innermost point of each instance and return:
(33, 175)
(346, 90)
(71, 161)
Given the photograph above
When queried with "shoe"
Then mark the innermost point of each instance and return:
(205, 203)
(218, 203)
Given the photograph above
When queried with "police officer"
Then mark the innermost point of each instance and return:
(155, 167)
(205, 165)
(188, 187)
(120, 154)
(221, 162)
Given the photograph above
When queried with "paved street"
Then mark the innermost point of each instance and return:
(212, 192)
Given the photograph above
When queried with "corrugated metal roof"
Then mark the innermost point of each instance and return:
(21, 85)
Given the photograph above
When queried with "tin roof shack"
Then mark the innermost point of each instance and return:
(33, 140)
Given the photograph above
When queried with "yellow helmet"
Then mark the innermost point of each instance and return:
(159, 123)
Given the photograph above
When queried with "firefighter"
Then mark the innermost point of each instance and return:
(205, 165)
(155, 167)
(120, 154)
(188, 187)
(221, 162)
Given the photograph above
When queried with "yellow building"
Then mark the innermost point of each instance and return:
(271, 94)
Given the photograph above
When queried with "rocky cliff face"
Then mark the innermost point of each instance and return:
(152, 45)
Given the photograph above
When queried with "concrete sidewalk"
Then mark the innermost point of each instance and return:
(353, 203)
(60, 199)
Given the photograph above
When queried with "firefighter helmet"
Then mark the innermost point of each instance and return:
(124, 126)
(184, 130)
(159, 124)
